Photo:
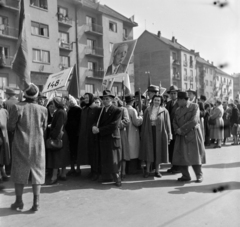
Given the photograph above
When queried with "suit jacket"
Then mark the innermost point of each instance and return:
(121, 69)
(8, 104)
(171, 110)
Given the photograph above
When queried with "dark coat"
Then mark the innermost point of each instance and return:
(171, 110)
(163, 135)
(234, 116)
(72, 127)
(189, 146)
(59, 158)
(4, 148)
(8, 104)
(110, 141)
(28, 120)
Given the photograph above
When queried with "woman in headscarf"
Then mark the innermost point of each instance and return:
(72, 127)
(87, 145)
(58, 158)
(28, 121)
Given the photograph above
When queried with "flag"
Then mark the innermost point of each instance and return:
(20, 62)
(2, 58)
(73, 85)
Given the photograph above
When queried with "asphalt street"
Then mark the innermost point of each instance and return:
(163, 202)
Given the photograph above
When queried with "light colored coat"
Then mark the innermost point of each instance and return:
(28, 120)
(189, 146)
(217, 130)
(163, 136)
(133, 132)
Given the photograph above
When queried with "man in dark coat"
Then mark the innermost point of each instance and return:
(189, 147)
(171, 106)
(109, 137)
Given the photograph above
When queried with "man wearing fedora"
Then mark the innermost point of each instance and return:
(108, 132)
(152, 90)
(171, 106)
(189, 147)
(11, 100)
(192, 94)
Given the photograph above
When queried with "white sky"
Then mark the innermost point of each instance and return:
(196, 24)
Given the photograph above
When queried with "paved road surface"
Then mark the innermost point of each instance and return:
(139, 202)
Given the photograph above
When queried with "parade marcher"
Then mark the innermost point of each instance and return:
(109, 137)
(202, 113)
(156, 135)
(152, 90)
(133, 127)
(189, 147)
(136, 102)
(11, 100)
(171, 106)
(226, 120)
(4, 145)
(41, 99)
(28, 121)
(60, 158)
(72, 128)
(98, 101)
(125, 121)
(207, 107)
(234, 122)
(192, 96)
(217, 129)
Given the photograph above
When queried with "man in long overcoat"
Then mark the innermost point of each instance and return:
(109, 137)
(189, 147)
(171, 106)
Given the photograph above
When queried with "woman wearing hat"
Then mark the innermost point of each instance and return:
(28, 121)
(156, 136)
(58, 158)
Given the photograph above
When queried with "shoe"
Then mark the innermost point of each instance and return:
(183, 179)
(78, 173)
(199, 179)
(123, 176)
(146, 174)
(95, 177)
(118, 182)
(52, 182)
(157, 174)
(35, 206)
(169, 170)
(5, 178)
(217, 146)
(17, 205)
(234, 144)
(62, 178)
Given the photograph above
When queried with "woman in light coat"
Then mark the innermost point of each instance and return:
(133, 130)
(28, 121)
(217, 130)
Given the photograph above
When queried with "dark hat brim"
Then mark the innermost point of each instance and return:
(111, 96)
(171, 91)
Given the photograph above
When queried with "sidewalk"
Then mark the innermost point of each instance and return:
(139, 202)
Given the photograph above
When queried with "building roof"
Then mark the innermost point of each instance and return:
(170, 42)
(104, 9)
(203, 61)
(221, 72)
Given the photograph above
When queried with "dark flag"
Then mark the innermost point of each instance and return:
(20, 62)
(73, 85)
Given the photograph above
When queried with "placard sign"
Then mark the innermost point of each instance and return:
(57, 80)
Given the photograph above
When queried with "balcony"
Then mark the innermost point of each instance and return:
(185, 63)
(65, 46)
(8, 62)
(176, 62)
(64, 20)
(12, 4)
(94, 51)
(176, 76)
(8, 32)
(97, 74)
(125, 37)
(94, 29)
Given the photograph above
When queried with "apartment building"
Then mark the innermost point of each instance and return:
(60, 34)
(205, 77)
(165, 60)
(236, 85)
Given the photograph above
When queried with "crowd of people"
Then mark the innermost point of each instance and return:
(40, 137)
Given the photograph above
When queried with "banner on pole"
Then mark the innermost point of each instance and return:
(57, 80)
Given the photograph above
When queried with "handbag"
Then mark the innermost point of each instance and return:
(211, 121)
(52, 144)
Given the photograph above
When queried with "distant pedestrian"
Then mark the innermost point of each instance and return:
(28, 121)
(234, 122)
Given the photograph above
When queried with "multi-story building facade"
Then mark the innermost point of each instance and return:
(166, 61)
(236, 86)
(205, 77)
(60, 34)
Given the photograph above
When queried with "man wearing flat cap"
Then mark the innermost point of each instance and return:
(152, 90)
(41, 99)
(171, 106)
(107, 128)
(189, 147)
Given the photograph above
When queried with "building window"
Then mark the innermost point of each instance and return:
(42, 56)
(110, 47)
(185, 74)
(89, 88)
(3, 81)
(90, 20)
(185, 60)
(191, 62)
(217, 77)
(64, 37)
(65, 61)
(114, 90)
(191, 75)
(191, 86)
(4, 51)
(113, 26)
(62, 11)
(90, 43)
(92, 66)
(206, 70)
(39, 29)
(210, 71)
(3, 25)
(174, 56)
(39, 3)
(125, 34)
(186, 86)
(211, 83)
(206, 82)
